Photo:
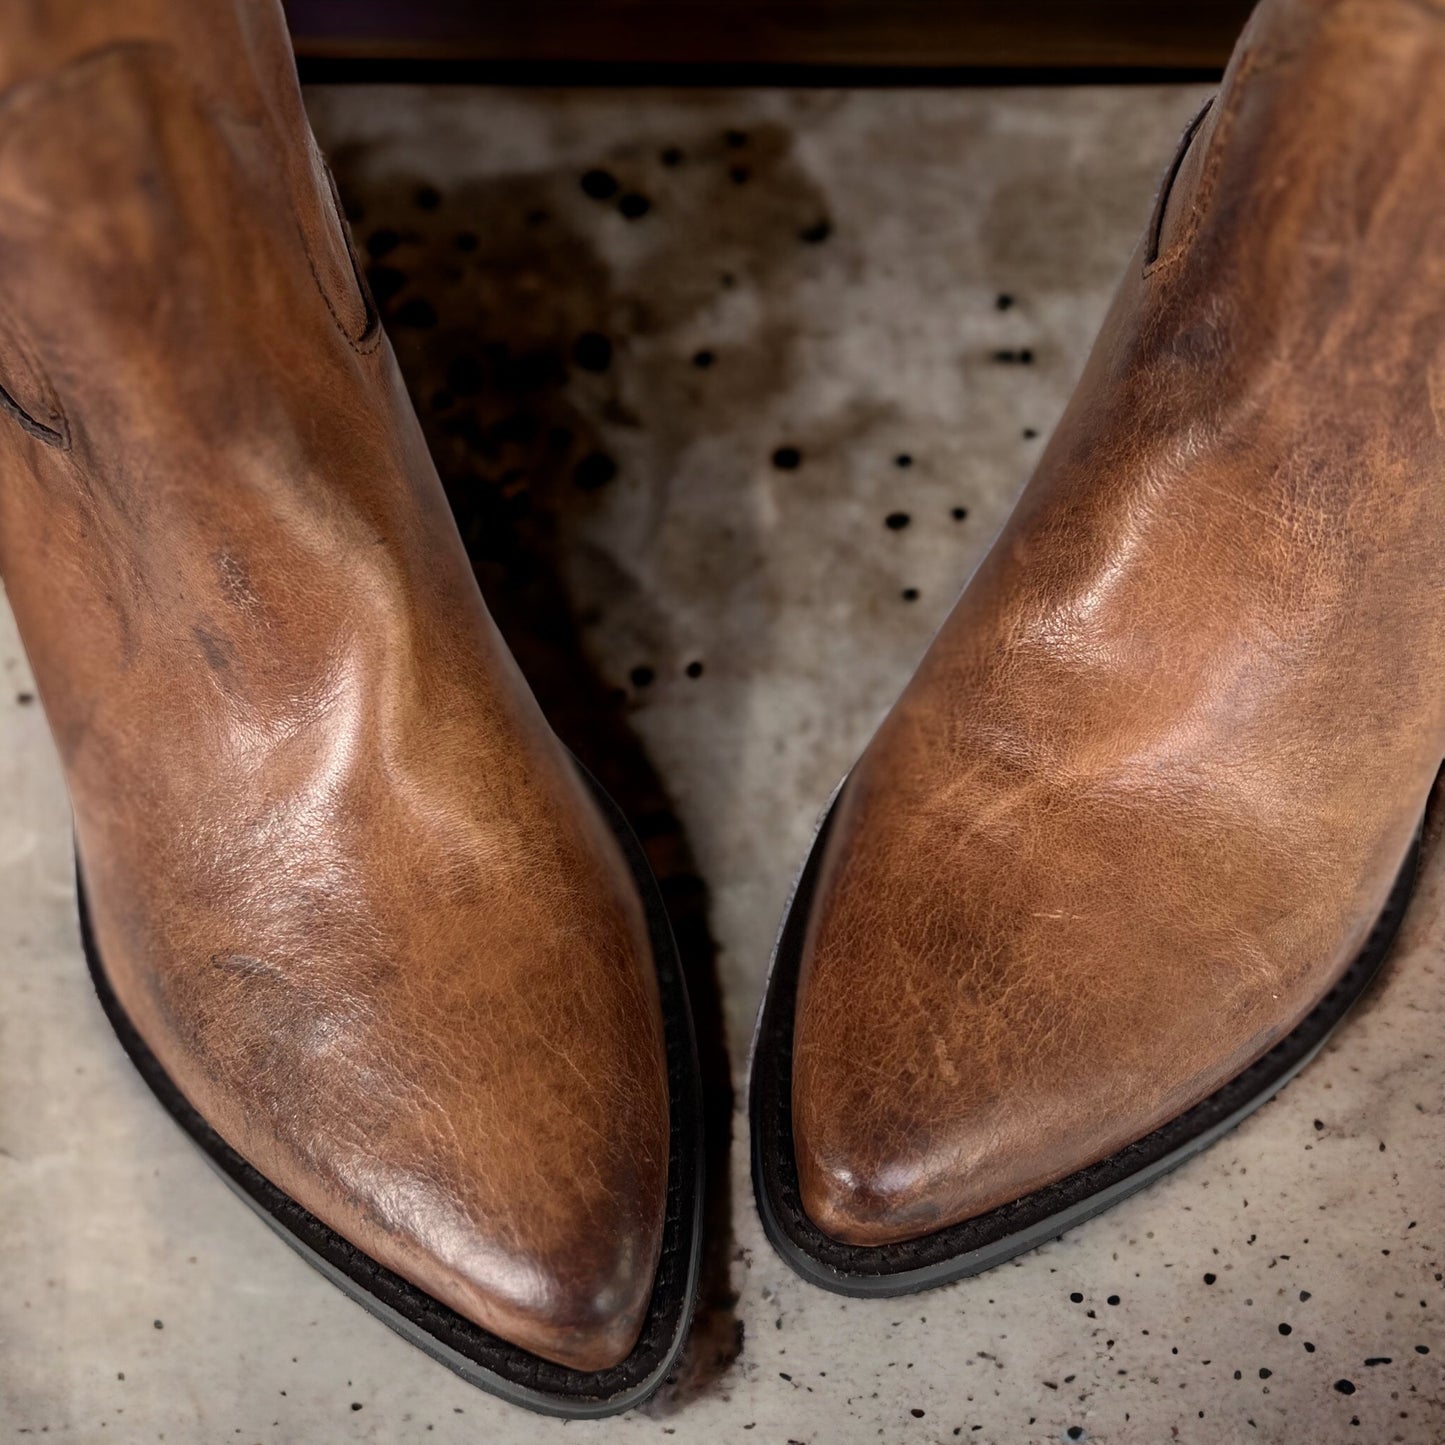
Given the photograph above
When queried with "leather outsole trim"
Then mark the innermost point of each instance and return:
(990, 1239)
(481, 1358)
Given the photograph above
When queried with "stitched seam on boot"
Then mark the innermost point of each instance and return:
(1210, 174)
(369, 337)
(1187, 142)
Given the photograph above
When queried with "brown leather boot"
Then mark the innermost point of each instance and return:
(1141, 826)
(353, 909)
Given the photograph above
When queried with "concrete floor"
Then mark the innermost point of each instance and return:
(860, 278)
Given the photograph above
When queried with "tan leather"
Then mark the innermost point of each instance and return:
(1153, 780)
(343, 877)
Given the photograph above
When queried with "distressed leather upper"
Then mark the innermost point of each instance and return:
(1151, 784)
(343, 878)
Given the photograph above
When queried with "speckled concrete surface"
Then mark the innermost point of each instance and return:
(727, 427)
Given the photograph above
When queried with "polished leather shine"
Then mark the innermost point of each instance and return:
(344, 879)
(1151, 784)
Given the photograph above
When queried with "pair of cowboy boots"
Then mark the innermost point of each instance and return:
(1131, 841)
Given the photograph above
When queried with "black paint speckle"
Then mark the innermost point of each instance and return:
(1422, 1349)
(465, 376)
(787, 459)
(1378, 1360)
(642, 676)
(1264, 1374)
(426, 198)
(599, 184)
(1209, 1278)
(903, 459)
(466, 241)
(693, 669)
(1113, 1299)
(672, 156)
(1023, 357)
(910, 594)
(916, 1413)
(595, 470)
(159, 1324)
(817, 233)
(356, 1404)
(959, 514)
(385, 282)
(417, 312)
(739, 175)
(1345, 1387)
(1030, 433)
(24, 698)
(736, 138)
(896, 521)
(703, 359)
(1077, 1298)
(1284, 1329)
(382, 242)
(592, 351)
(634, 204)
(1003, 301)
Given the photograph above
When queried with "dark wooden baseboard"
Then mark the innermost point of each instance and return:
(808, 39)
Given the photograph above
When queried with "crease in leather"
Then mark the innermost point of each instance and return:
(27, 394)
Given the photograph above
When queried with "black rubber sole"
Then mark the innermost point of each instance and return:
(1014, 1228)
(478, 1357)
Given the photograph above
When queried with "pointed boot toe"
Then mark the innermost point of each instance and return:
(581, 1303)
(483, 1125)
(531, 1201)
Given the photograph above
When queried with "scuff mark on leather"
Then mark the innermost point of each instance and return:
(216, 650)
